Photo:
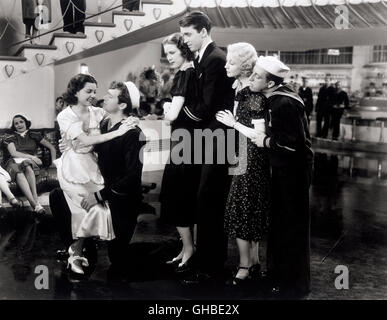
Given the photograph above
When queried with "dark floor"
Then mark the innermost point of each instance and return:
(349, 223)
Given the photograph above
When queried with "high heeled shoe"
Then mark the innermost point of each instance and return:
(174, 261)
(255, 271)
(238, 281)
(16, 203)
(72, 258)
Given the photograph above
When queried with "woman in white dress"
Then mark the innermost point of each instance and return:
(77, 168)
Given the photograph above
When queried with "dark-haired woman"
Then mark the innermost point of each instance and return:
(181, 176)
(78, 171)
(24, 164)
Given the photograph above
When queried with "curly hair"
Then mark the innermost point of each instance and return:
(124, 96)
(28, 122)
(76, 84)
(245, 54)
(178, 41)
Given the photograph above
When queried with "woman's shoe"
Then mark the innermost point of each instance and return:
(75, 268)
(174, 261)
(186, 266)
(16, 203)
(39, 209)
(85, 262)
(255, 271)
(238, 281)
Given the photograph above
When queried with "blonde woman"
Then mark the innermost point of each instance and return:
(248, 201)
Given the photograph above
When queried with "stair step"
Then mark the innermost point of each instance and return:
(128, 13)
(66, 35)
(157, 2)
(102, 24)
(12, 58)
(35, 46)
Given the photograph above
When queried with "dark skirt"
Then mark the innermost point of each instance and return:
(178, 195)
(14, 168)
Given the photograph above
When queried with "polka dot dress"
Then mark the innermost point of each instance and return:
(246, 215)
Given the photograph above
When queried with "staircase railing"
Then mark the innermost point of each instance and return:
(86, 18)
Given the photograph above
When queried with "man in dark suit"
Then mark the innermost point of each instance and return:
(323, 108)
(215, 93)
(306, 95)
(119, 161)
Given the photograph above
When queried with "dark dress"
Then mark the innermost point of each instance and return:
(181, 181)
(247, 207)
(27, 144)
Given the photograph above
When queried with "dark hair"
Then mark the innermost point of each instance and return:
(124, 96)
(271, 77)
(178, 41)
(28, 122)
(144, 107)
(198, 20)
(58, 98)
(75, 85)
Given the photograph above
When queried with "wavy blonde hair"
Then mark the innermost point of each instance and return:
(245, 54)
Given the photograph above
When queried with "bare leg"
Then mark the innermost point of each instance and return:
(30, 175)
(5, 188)
(254, 252)
(22, 182)
(244, 258)
(188, 246)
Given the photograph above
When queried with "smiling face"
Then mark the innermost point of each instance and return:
(19, 124)
(110, 103)
(87, 95)
(257, 81)
(233, 66)
(193, 38)
(174, 56)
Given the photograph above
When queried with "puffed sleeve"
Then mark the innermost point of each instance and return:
(37, 136)
(70, 125)
(11, 138)
(99, 114)
(181, 82)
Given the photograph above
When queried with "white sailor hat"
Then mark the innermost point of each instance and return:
(273, 65)
(134, 94)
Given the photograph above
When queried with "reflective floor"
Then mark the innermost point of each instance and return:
(349, 223)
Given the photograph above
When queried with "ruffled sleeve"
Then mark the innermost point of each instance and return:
(36, 136)
(181, 81)
(70, 124)
(11, 138)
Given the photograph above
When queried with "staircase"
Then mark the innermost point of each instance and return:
(64, 46)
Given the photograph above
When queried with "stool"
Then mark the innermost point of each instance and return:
(381, 120)
(354, 119)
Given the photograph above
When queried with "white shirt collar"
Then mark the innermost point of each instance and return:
(23, 134)
(202, 49)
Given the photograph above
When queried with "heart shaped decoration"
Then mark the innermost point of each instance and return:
(99, 35)
(187, 2)
(39, 58)
(9, 69)
(157, 13)
(128, 24)
(70, 46)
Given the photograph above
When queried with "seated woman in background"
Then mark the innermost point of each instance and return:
(24, 163)
(4, 188)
